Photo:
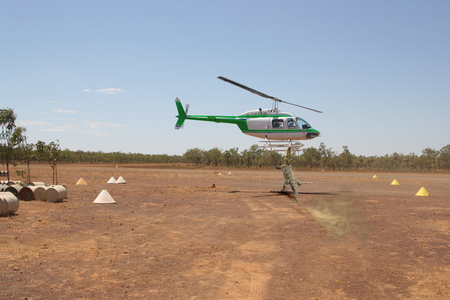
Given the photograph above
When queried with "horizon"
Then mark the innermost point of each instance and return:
(241, 150)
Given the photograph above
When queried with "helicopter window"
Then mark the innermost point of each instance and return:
(303, 123)
(291, 123)
(277, 123)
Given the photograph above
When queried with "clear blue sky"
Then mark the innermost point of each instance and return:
(103, 75)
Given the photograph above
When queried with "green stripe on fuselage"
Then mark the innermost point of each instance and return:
(282, 130)
(240, 121)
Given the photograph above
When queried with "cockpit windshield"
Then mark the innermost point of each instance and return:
(302, 123)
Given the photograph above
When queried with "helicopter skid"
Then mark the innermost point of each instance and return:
(271, 145)
(280, 136)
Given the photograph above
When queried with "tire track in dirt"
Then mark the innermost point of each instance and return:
(262, 244)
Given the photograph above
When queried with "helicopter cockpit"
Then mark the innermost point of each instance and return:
(302, 123)
(290, 123)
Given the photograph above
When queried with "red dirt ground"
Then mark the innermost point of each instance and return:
(171, 236)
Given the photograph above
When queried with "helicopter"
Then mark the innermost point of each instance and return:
(269, 124)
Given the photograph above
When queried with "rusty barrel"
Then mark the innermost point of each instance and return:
(9, 203)
(27, 193)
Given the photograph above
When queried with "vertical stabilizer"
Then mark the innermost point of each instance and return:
(181, 114)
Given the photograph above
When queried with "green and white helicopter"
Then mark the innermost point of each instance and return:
(270, 124)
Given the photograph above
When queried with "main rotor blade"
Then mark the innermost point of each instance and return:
(247, 88)
(262, 94)
(299, 105)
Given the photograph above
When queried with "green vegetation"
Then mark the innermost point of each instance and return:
(322, 158)
(49, 153)
(14, 147)
(254, 157)
(7, 143)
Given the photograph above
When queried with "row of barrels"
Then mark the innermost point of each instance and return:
(51, 193)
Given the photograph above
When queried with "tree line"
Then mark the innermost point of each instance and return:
(254, 157)
(322, 158)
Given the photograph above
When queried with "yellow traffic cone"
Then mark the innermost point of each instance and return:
(374, 177)
(81, 181)
(395, 182)
(423, 192)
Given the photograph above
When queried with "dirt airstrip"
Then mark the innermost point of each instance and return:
(172, 236)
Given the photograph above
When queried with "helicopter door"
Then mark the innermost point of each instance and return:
(277, 124)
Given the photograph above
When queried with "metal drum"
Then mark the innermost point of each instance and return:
(9, 203)
(15, 189)
(56, 193)
(39, 192)
(27, 193)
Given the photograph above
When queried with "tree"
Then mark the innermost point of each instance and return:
(19, 139)
(213, 157)
(50, 153)
(193, 156)
(8, 125)
(252, 156)
(346, 158)
(429, 158)
(271, 159)
(326, 156)
(444, 157)
(232, 157)
(311, 157)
